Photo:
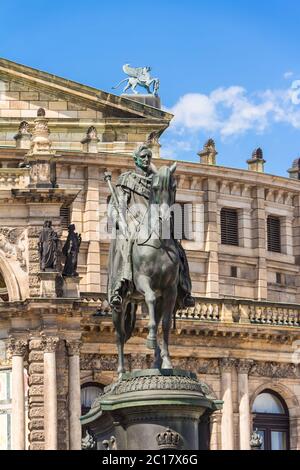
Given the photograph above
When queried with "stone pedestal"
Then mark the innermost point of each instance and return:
(151, 410)
(149, 100)
(71, 288)
(48, 284)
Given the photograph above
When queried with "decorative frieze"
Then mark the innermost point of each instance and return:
(274, 370)
(197, 365)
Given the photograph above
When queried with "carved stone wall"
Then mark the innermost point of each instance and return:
(33, 258)
(62, 393)
(36, 395)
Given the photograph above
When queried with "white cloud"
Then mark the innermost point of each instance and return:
(233, 111)
(287, 75)
(195, 111)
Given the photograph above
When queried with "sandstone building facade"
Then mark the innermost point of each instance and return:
(243, 243)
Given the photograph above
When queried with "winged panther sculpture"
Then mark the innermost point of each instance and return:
(139, 76)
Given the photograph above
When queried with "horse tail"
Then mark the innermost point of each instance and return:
(130, 319)
(124, 80)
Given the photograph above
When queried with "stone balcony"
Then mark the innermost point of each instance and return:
(222, 311)
(14, 178)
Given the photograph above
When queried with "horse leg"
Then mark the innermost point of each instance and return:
(167, 309)
(117, 318)
(150, 300)
(127, 87)
(133, 85)
(157, 355)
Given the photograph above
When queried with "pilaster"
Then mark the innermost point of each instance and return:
(260, 241)
(91, 229)
(211, 237)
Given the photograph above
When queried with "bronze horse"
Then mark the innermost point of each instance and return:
(155, 269)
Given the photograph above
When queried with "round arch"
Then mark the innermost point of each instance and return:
(10, 278)
(286, 394)
(292, 404)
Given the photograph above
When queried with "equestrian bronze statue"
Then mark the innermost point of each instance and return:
(146, 263)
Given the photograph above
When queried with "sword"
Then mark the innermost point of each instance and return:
(107, 178)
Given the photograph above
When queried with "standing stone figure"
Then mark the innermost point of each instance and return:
(70, 251)
(48, 247)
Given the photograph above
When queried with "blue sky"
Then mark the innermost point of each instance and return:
(226, 67)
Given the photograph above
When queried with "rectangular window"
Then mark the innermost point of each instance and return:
(229, 227)
(274, 236)
(233, 271)
(278, 278)
(65, 217)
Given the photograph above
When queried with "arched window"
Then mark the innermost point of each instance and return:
(271, 419)
(89, 392)
(3, 289)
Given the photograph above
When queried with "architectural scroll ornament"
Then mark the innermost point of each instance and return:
(88, 442)
(110, 444)
(16, 347)
(13, 244)
(49, 343)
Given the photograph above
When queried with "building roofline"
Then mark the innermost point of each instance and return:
(95, 95)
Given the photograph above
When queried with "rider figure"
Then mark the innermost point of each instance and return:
(131, 190)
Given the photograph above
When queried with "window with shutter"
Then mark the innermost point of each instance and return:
(229, 227)
(274, 238)
(182, 214)
(65, 217)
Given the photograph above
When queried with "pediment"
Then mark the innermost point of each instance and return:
(23, 90)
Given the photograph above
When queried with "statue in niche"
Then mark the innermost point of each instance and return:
(70, 251)
(48, 247)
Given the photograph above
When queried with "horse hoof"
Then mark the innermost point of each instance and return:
(166, 364)
(151, 343)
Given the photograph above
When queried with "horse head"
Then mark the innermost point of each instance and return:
(163, 192)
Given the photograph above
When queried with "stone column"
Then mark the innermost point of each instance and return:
(211, 241)
(215, 424)
(74, 395)
(243, 367)
(17, 349)
(226, 364)
(49, 345)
